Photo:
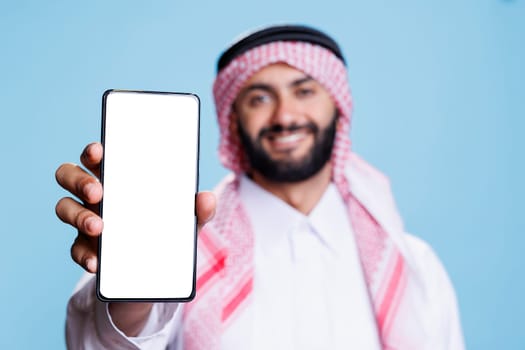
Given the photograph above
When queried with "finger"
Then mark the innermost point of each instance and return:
(84, 253)
(205, 207)
(81, 184)
(92, 156)
(86, 221)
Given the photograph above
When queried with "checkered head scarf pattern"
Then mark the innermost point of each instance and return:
(318, 62)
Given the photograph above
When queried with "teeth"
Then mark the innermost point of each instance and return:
(288, 138)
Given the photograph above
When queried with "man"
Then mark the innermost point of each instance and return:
(305, 250)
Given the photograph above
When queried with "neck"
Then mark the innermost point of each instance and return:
(303, 195)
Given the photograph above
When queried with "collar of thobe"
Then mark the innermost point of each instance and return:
(273, 216)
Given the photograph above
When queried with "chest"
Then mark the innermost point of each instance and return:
(308, 293)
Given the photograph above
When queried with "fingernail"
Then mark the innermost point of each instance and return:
(92, 225)
(91, 264)
(89, 189)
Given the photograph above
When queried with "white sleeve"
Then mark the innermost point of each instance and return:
(89, 325)
(451, 324)
(448, 333)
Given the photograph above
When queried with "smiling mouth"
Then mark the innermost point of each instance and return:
(286, 139)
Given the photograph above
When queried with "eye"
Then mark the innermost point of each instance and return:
(256, 100)
(304, 92)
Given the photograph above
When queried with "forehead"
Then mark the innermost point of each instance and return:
(277, 74)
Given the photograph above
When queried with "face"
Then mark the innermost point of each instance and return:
(286, 123)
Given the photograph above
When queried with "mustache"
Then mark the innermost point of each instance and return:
(276, 129)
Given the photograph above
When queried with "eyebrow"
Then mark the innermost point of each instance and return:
(267, 87)
(300, 81)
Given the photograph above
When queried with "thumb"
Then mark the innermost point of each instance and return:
(205, 205)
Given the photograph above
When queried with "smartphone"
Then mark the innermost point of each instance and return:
(147, 249)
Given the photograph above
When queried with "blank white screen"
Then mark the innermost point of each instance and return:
(149, 175)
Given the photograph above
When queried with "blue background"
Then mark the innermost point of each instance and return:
(439, 106)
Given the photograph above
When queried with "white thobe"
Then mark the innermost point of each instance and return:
(309, 291)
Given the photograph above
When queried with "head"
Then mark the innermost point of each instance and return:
(283, 103)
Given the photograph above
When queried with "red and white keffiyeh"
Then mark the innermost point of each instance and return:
(226, 245)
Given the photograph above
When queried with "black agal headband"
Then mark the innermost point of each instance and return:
(279, 33)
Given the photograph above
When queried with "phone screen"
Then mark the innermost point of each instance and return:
(147, 249)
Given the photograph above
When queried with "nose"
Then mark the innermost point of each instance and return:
(286, 111)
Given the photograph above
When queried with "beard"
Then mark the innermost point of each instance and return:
(289, 170)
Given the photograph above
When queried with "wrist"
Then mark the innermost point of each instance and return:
(130, 318)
